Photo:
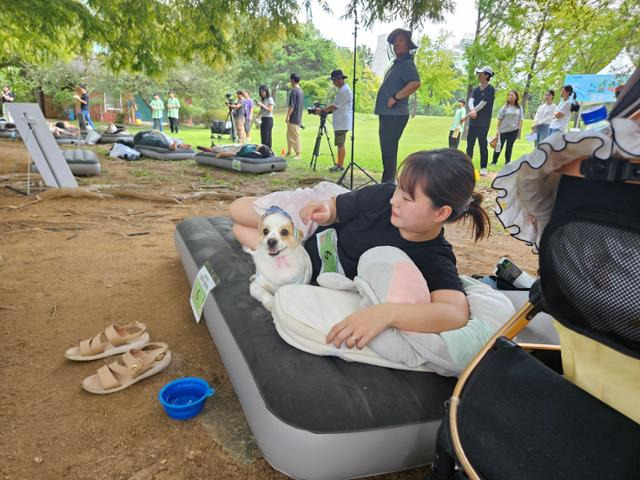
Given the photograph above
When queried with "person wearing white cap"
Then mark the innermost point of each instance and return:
(480, 112)
(392, 102)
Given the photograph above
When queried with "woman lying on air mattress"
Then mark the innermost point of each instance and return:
(430, 313)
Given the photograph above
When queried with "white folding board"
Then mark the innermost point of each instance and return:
(41, 144)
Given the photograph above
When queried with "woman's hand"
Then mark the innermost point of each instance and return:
(319, 212)
(391, 102)
(359, 328)
(473, 114)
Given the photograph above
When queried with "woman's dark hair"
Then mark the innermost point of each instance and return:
(568, 88)
(265, 89)
(447, 177)
(517, 98)
(553, 94)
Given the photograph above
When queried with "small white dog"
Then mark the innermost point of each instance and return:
(280, 257)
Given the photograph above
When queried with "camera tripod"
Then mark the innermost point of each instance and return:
(322, 130)
(232, 133)
(349, 169)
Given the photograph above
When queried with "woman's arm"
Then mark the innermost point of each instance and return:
(404, 92)
(448, 310)
(323, 213)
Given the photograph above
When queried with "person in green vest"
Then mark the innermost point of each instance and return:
(173, 111)
(458, 124)
(157, 111)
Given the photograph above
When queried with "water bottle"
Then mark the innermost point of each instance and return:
(595, 118)
(511, 273)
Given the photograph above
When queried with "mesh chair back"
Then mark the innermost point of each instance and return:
(590, 262)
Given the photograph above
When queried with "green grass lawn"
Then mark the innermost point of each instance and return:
(422, 133)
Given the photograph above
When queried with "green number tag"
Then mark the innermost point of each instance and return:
(205, 281)
(328, 251)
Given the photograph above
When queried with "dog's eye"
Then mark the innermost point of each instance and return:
(284, 233)
(265, 231)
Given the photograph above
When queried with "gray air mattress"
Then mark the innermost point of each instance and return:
(114, 137)
(240, 164)
(69, 140)
(82, 163)
(163, 153)
(313, 417)
(9, 133)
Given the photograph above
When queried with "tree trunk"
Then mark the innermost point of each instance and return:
(534, 59)
(414, 104)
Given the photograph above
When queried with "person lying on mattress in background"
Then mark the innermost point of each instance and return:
(434, 187)
(154, 138)
(63, 129)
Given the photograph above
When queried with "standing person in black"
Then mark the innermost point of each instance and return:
(480, 112)
(83, 98)
(392, 102)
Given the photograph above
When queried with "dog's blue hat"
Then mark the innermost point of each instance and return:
(276, 209)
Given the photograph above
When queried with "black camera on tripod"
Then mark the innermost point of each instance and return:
(312, 110)
(230, 100)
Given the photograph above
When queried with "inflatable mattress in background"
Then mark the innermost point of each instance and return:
(82, 163)
(242, 164)
(160, 153)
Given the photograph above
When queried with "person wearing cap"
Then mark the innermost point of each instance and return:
(295, 104)
(457, 125)
(342, 115)
(392, 101)
(173, 111)
(480, 112)
(83, 98)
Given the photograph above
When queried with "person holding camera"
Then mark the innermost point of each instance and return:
(392, 101)
(266, 105)
(562, 112)
(238, 112)
(295, 104)
(342, 115)
(480, 112)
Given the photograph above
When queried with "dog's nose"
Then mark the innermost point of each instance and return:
(272, 242)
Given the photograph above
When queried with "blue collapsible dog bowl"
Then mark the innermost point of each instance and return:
(184, 398)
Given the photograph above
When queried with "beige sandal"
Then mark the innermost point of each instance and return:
(113, 340)
(128, 369)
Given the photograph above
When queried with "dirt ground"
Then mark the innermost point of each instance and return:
(72, 264)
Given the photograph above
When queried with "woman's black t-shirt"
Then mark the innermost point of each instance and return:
(365, 222)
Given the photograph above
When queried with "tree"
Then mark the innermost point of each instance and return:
(142, 35)
(438, 74)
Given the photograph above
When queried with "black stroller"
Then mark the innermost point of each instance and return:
(513, 417)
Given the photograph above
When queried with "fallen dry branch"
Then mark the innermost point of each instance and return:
(7, 307)
(143, 196)
(38, 199)
(212, 195)
(137, 234)
(59, 193)
(53, 313)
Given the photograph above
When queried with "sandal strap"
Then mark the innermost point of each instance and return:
(129, 365)
(107, 379)
(113, 337)
(92, 346)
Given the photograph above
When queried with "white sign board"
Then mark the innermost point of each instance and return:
(41, 144)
